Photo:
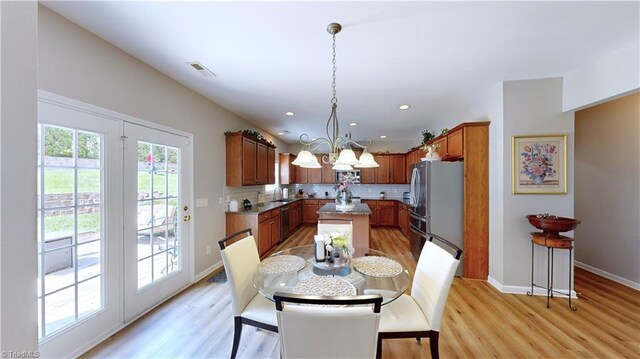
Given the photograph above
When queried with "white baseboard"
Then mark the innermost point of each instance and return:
(207, 271)
(608, 275)
(512, 289)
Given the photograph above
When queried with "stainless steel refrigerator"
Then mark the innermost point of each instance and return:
(436, 204)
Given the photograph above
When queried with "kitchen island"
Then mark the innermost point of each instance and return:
(359, 217)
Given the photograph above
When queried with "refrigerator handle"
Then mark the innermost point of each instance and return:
(413, 197)
(416, 231)
(421, 219)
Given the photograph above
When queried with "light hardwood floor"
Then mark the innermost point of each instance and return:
(479, 321)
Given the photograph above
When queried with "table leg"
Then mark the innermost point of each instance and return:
(551, 288)
(548, 285)
(570, 283)
(532, 248)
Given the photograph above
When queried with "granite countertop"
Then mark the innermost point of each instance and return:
(360, 208)
(255, 209)
(273, 205)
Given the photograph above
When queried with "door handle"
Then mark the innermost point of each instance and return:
(421, 219)
(416, 231)
(186, 218)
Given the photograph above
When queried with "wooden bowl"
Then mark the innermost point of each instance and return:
(552, 227)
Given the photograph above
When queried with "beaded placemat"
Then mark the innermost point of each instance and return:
(377, 266)
(284, 263)
(325, 286)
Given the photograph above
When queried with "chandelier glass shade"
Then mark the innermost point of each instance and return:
(341, 155)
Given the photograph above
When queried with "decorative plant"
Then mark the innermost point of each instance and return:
(343, 187)
(340, 242)
(431, 149)
(427, 136)
(253, 133)
(538, 162)
(444, 131)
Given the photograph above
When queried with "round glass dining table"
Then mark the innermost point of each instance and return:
(389, 285)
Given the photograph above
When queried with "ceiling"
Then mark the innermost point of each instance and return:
(274, 57)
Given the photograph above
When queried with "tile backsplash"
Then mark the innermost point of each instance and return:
(358, 190)
(257, 194)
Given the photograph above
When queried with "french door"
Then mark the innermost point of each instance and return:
(79, 228)
(156, 212)
(113, 222)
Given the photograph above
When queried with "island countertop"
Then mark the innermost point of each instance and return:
(360, 209)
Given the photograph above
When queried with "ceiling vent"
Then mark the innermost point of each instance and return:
(201, 69)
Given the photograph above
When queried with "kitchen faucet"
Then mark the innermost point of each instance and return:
(275, 197)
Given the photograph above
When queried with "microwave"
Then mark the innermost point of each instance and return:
(355, 173)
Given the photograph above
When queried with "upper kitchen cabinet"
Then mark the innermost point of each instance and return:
(382, 174)
(250, 161)
(328, 173)
(309, 175)
(398, 169)
(287, 169)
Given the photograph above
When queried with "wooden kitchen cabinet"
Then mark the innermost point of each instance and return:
(249, 156)
(328, 173)
(367, 175)
(249, 161)
(441, 144)
(287, 169)
(295, 215)
(265, 227)
(403, 218)
(262, 169)
(302, 174)
(455, 145)
(373, 206)
(310, 211)
(315, 174)
(398, 169)
(271, 165)
(309, 175)
(382, 172)
(387, 214)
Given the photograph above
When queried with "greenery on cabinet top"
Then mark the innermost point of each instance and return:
(252, 134)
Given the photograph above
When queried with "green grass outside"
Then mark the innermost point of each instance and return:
(59, 180)
(87, 222)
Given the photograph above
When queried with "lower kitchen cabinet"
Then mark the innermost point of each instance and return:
(403, 218)
(310, 211)
(387, 214)
(265, 227)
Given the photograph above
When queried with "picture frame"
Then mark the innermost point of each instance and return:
(539, 164)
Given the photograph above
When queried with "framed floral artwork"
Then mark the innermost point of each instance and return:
(539, 164)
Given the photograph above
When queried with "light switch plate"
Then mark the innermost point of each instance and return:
(202, 202)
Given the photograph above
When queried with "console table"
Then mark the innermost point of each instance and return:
(551, 242)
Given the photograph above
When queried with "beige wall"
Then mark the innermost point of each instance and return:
(607, 180)
(74, 63)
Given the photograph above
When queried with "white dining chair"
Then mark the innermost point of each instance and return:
(328, 226)
(420, 314)
(241, 260)
(328, 327)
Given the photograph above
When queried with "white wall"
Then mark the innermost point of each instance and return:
(391, 146)
(607, 181)
(18, 121)
(533, 107)
(608, 76)
(75, 63)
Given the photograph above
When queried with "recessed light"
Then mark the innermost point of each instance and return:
(281, 133)
(383, 136)
(353, 124)
(404, 107)
(289, 113)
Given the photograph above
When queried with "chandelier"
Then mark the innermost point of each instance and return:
(341, 155)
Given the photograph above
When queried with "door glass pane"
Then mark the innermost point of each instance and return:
(70, 227)
(158, 178)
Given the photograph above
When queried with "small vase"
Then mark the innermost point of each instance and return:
(538, 179)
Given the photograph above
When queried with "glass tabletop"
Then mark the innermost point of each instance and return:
(369, 271)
